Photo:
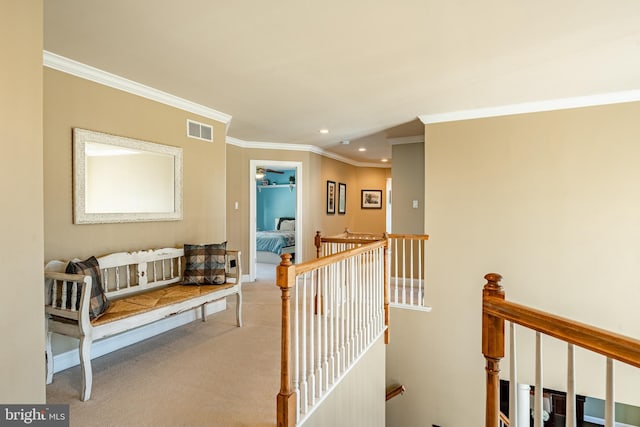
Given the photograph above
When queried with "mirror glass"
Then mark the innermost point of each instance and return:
(118, 179)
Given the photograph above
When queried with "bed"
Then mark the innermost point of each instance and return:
(273, 243)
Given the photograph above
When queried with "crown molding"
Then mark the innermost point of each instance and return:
(534, 107)
(78, 69)
(406, 140)
(300, 147)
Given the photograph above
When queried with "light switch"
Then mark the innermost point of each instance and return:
(235, 205)
(415, 204)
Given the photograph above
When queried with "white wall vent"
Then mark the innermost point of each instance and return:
(199, 131)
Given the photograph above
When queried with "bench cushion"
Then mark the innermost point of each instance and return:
(204, 264)
(147, 301)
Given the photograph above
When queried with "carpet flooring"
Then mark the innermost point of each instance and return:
(200, 374)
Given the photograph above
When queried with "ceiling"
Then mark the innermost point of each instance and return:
(364, 70)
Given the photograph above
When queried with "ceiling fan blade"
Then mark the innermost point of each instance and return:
(274, 171)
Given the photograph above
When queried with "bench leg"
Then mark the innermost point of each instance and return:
(85, 365)
(239, 308)
(49, 357)
(203, 311)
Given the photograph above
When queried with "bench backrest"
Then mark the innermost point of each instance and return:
(131, 272)
(125, 273)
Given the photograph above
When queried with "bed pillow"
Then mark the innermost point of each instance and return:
(281, 220)
(90, 267)
(204, 264)
(288, 225)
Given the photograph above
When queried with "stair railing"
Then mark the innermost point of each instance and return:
(407, 254)
(334, 309)
(496, 310)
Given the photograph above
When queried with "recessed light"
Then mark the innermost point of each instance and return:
(324, 130)
(384, 160)
(362, 149)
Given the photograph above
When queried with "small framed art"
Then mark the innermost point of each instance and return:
(371, 199)
(331, 197)
(342, 198)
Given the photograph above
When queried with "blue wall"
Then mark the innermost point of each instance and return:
(275, 202)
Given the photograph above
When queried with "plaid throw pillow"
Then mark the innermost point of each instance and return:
(90, 267)
(204, 264)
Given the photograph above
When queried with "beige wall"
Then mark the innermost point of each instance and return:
(359, 399)
(407, 173)
(21, 316)
(73, 102)
(550, 201)
(317, 170)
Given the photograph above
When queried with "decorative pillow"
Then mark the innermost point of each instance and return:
(288, 225)
(90, 267)
(204, 264)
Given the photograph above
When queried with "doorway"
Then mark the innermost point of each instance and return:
(257, 170)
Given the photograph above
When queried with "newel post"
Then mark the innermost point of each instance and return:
(492, 348)
(286, 400)
(317, 241)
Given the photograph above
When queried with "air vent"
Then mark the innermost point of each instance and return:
(199, 131)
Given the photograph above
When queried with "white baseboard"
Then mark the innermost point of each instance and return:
(71, 358)
(600, 421)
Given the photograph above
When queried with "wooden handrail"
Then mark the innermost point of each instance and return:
(609, 344)
(396, 390)
(504, 420)
(615, 346)
(366, 246)
(496, 310)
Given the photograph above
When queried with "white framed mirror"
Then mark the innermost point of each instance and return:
(119, 179)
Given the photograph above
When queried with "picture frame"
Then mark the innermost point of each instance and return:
(371, 199)
(342, 198)
(331, 197)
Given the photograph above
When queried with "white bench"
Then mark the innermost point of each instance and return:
(142, 287)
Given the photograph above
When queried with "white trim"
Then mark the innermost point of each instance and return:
(99, 348)
(406, 140)
(414, 307)
(534, 107)
(301, 147)
(600, 421)
(78, 69)
(253, 165)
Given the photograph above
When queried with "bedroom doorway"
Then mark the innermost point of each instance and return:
(275, 212)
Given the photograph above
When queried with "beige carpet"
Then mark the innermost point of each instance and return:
(200, 374)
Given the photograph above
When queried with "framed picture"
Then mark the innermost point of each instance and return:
(371, 199)
(342, 198)
(331, 197)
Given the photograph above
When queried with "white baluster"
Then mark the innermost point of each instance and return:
(296, 344)
(420, 277)
(610, 404)
(537, 404)
(303, 349)
(395, 282)
(325, 333)
(404, 273)
(411, 263)
(513, 378)
(571, 388)
(311, 368)
(524, 406)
